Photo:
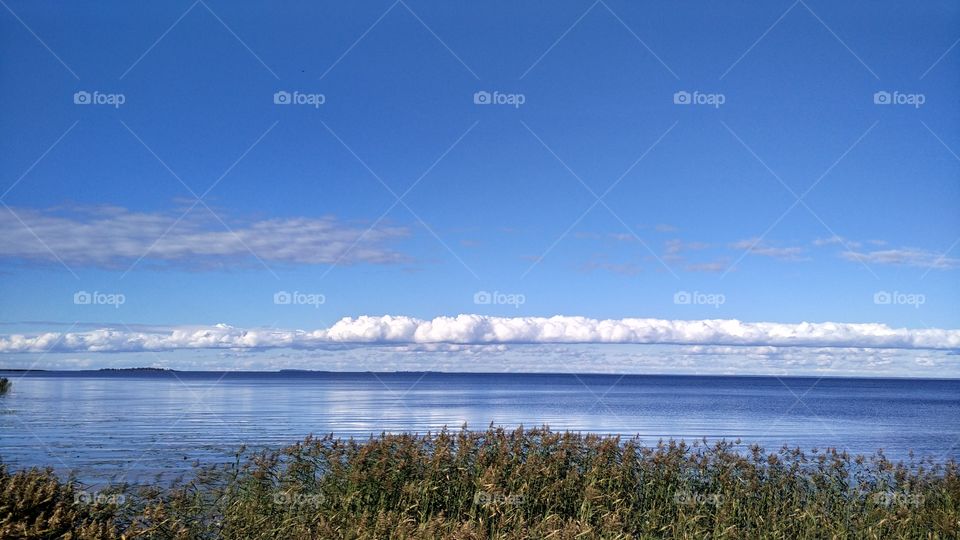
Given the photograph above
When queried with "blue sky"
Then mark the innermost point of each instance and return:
(699, 201)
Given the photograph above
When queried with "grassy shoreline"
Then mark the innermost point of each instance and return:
(532, 483)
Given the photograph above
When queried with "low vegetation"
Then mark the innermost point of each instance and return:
(504, 484)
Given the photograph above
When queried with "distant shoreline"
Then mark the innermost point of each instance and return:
(156, 371)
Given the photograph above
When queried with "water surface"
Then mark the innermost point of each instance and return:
(134, 425)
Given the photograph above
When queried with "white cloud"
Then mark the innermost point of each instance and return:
(112, 236)
(675, 249)
(756, 247)
(676, 246)
(904, 257)
(481, 330)
(833, 240)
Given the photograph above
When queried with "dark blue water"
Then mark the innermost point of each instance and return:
(110, 426)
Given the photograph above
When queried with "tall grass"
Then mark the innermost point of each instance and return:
(506, 484)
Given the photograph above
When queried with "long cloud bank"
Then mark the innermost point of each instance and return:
(480, 329)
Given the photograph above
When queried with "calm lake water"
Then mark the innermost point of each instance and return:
(123, 426)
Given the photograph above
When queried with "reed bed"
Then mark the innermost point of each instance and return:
(526, 483)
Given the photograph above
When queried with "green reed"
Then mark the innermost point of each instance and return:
(532, 483)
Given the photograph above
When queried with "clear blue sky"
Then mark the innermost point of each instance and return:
(708, 203)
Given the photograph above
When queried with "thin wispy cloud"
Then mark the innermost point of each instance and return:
(677, 246)
(676, 250)
(836, 240)
(915, 257)
(110, 237)
(680, 251)
(756, 247)
(904, 256)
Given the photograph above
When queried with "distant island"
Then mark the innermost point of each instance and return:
(138, 369)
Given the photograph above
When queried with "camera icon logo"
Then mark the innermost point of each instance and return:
(82, 298)
(681, 98)
(282, 298)
(482, 298)
(81, 98)
(882, 298)
(882, 98)
(281, 97)
(482, 98)
(682, 298)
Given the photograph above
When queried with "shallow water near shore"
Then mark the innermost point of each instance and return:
(132, 426)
